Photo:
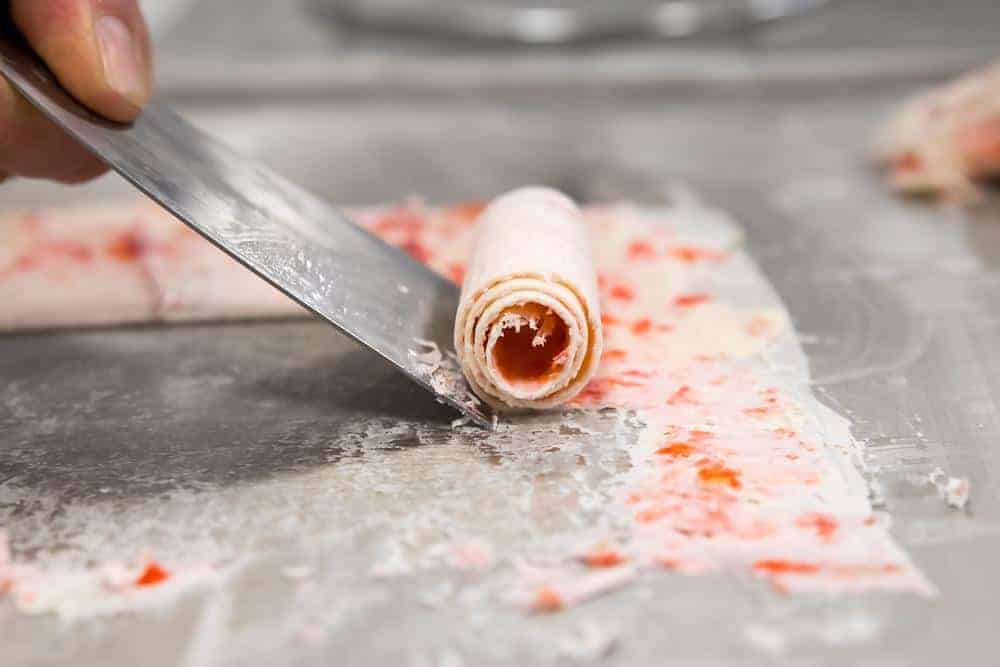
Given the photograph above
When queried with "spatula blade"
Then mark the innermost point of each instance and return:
(288, 236)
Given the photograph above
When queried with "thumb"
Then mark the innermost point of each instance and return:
(98, 49)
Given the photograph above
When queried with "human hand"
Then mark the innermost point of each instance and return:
(100, 52)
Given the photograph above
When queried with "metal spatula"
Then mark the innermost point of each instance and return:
(291, 238)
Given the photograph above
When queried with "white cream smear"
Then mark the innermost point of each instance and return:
(736, 467)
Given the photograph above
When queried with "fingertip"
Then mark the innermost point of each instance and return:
(98, 49)
(123, 43)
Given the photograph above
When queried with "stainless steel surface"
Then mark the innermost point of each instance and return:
(256, 442)
(297, 241)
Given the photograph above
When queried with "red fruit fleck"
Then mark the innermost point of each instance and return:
(640, 250)
(650, 515)
(640, 327)
(681, 396)
(609, 320)
(784, 432)
(603, 558)
(128, 247)
(823, 525)
(613, 355)
(622, 383)
(596, 390)
(622, 292)
(152, 575)
(548, 600)
(691, 300)
(466, 212)
(779, 566)
(678, 450)
(77, 251)
(398, 219)
(417, 251)
(456, 272)
(763, 411)
(719, 474)
(26, 263)
(700, 436)
(693, 254)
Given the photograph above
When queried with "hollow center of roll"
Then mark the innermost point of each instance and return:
(533, 346)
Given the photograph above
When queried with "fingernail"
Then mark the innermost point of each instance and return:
(123, 68)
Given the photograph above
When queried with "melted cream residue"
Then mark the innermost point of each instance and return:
(730, 471)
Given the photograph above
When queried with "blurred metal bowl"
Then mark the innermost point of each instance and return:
(561, 21)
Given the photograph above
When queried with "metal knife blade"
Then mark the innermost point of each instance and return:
(288, 236)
